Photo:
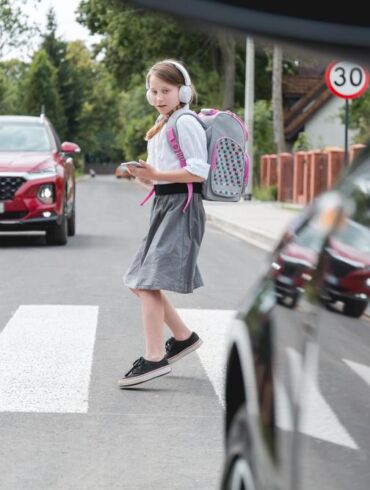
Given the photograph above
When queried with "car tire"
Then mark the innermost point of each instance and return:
(59, 234)
(293, 301)
(354, 308)
(238, 474)
(71, 222)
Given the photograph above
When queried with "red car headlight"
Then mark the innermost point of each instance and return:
(46, 194)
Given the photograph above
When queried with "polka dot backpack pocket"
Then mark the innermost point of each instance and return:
(227, 137)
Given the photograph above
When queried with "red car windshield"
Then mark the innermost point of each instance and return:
(354, 235)
(24, 137)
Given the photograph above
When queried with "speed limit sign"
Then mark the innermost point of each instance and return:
(346, 80)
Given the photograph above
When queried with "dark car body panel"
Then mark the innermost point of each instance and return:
(289, 366)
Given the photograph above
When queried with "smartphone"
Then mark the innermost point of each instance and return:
(133, 164)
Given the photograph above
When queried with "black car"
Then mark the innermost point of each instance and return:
(297, 379)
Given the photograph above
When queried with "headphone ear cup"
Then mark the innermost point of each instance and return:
(149, 97)
(185, 94)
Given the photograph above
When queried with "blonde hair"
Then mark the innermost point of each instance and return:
(167, 72)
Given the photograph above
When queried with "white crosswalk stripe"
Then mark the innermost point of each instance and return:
(212, 327)
(360, 369)
(46, 354)
(320, 420)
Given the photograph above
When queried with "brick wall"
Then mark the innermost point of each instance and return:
(301, 176)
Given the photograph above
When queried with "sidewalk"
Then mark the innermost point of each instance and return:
(257, 222)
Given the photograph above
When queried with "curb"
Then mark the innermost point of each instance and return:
(248, 235)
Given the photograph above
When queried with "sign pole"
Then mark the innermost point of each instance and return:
(249, 110)
(346, 119)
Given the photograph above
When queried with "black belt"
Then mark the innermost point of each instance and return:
(176, 188)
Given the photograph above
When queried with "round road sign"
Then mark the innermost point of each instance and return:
(346, 79)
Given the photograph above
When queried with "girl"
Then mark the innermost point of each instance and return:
(166, 259)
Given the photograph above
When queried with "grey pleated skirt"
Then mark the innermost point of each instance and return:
(167, 256)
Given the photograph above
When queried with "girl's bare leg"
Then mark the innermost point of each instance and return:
(173, 320)
(171, 317)
(153, 318)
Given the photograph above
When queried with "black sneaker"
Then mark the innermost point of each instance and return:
(143, 370)
(177, 349)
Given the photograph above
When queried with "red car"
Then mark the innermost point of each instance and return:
(37, 179)
(294, 263)
(346, 267)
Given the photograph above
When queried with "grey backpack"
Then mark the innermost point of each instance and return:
(227, 136)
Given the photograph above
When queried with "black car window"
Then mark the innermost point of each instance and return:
(16, 136)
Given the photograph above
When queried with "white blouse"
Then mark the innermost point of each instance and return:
(193, 143)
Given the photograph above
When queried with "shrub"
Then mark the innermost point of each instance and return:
(263, 193)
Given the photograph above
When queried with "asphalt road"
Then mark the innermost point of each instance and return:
(69, 329)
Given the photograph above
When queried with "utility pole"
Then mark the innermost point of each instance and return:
(249, 110)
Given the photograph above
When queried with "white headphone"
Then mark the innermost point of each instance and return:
(185, 93)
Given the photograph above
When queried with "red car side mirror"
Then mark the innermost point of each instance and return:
(68, 147)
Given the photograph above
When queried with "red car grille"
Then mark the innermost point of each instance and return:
(13, 215)
(9, 186)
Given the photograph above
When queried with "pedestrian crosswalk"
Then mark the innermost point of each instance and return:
(46, 357)
(46, 354)
(321, 420)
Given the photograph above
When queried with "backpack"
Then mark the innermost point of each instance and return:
(227, 136)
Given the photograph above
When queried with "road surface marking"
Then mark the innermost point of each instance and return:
(361, 369)
(284, 416)
(319, 420)
(212, 327)
(46, 353)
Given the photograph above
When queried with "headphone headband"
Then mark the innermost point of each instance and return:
(181, 69)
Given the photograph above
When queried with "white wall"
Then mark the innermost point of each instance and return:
(325, 128)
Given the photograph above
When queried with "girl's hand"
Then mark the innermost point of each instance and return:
(146, 173)
(146, 181)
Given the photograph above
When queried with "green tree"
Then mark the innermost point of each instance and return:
(263, 135)
(359, 117)
(78, 81)
(12, 73)
(14, 25)
(98, 119)
(41, 90)
(56, 49)
(134, 38)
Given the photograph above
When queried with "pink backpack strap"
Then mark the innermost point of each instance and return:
(172, 140)
(147, 197)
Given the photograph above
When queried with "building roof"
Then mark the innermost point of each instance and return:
(311, 93)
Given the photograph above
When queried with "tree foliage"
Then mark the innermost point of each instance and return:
(359, 117)
(14, 25)
(12, 73)
(41, 90)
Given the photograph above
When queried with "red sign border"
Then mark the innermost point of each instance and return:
(337, 94)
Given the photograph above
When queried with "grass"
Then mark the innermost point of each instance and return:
(263, 193)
